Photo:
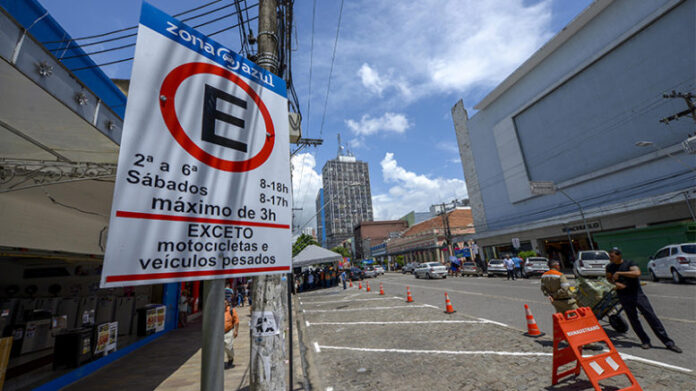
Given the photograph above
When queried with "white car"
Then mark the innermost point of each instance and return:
(535, 265)
(430, 270)
(496, 266)
(379, 270)
(591, 263)
(676, 261)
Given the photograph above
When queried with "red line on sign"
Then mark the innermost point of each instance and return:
(153, 216)
(199, 273)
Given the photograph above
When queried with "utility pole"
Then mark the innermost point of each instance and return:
(267, 366)
(446, 226)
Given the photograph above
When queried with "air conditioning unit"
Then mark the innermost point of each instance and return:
(295, 121)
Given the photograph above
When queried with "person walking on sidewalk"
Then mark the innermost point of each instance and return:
(625, 275)
(343, 279)
(517, 261)
(231, 330)
(555, 285)
(510, 267)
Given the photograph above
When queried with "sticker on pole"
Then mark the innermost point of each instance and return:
(203, 182)
(263, 324)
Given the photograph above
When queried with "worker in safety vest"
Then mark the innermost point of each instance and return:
(555, 285)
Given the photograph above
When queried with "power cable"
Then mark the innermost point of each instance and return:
(333, 57)
(128, 28)
(130, 58)
(311, 62)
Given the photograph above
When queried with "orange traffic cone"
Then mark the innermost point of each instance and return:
(381, 289)
(409, 299)
(532, 328)
(351, 283)
(368, 286)
(448, 305)
(360, 285)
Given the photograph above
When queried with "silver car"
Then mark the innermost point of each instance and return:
(535, 265)
(496, 266)
(430, 270)
(591, 263)
(676, 261)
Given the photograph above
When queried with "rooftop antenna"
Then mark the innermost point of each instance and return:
(340, 147)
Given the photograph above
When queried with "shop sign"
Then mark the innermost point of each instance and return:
(102, 338)
(203, 182)
(516, 242)
(591, 226)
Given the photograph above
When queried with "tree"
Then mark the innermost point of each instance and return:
(400, 260)
(342, 250)
(303, 241)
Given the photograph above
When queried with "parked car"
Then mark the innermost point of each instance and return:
(496, 266)
(355, 274)
(370, 272)
(676, 261)
(535, 266)
(591, 263)
(431, 270)
(409, 268)
(379, 269)
(468, 269)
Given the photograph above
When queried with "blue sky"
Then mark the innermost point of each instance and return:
(399, 68)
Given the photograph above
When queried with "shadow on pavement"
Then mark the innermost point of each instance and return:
(149, 366)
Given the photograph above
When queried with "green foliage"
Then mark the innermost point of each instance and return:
(400, 260)
(303, 241)
(526, 254)
(342, 250)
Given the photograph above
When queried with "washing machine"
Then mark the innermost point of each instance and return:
(68, 307)
(106, 305)
(86, 311)
(125, 307)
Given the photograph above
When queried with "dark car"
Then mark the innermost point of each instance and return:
(356, 274)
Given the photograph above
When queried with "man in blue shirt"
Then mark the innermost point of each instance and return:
(518, 266)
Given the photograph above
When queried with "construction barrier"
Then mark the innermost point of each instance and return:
(579, 328)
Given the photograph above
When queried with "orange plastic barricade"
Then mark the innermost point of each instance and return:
(578, 328)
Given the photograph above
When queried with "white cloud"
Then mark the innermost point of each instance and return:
(376, 83)
(411, 191)
(389, 122)
(403, 51)
(306, 182)
(448, 147)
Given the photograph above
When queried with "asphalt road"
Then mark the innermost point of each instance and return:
(503, 301)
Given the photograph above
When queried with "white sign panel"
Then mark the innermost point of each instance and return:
(203, 182)
(263, 324)
(516, 242)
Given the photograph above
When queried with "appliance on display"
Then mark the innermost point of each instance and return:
(85, 312)
(124, 314)
(106, 305)
(8, 310)
(68, 307)
(72, 348)
(37, 334)
(147, 319)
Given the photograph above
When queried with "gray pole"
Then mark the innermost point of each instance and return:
(570, 240)
(212, 373)
(688, 204)
(267, 366)
(582, 213)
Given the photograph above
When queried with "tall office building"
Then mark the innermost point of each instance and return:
(345, 199)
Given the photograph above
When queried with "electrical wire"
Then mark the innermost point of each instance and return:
(136, 26)
(311, 65)
(130, 58)
(333, 58)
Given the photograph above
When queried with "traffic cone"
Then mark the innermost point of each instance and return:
(351, 283)
(448, 305)
(360, 285)
(381, 289)
(532, 328)
(368, 286)
(409, 299)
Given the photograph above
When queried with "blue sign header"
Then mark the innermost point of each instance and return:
(184, 35)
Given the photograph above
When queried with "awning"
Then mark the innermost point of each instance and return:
(314, 255)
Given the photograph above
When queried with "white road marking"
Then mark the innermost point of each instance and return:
(316, 347)
(349, 301)
(677, 319)
(453, 352)
(493, 322)
(370, 308)
(329, 388)
(527, 301)
(397, 322)
(658, 363)
(429, 305)
(307, 323)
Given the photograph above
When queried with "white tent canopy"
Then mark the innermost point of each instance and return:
(314, 255)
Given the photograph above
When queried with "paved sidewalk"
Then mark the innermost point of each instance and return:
(173, 363)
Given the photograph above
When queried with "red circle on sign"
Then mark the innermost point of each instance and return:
(167, 95)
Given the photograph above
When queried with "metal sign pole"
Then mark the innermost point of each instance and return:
(213, 354)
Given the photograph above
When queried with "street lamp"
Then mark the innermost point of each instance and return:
(548, 187)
